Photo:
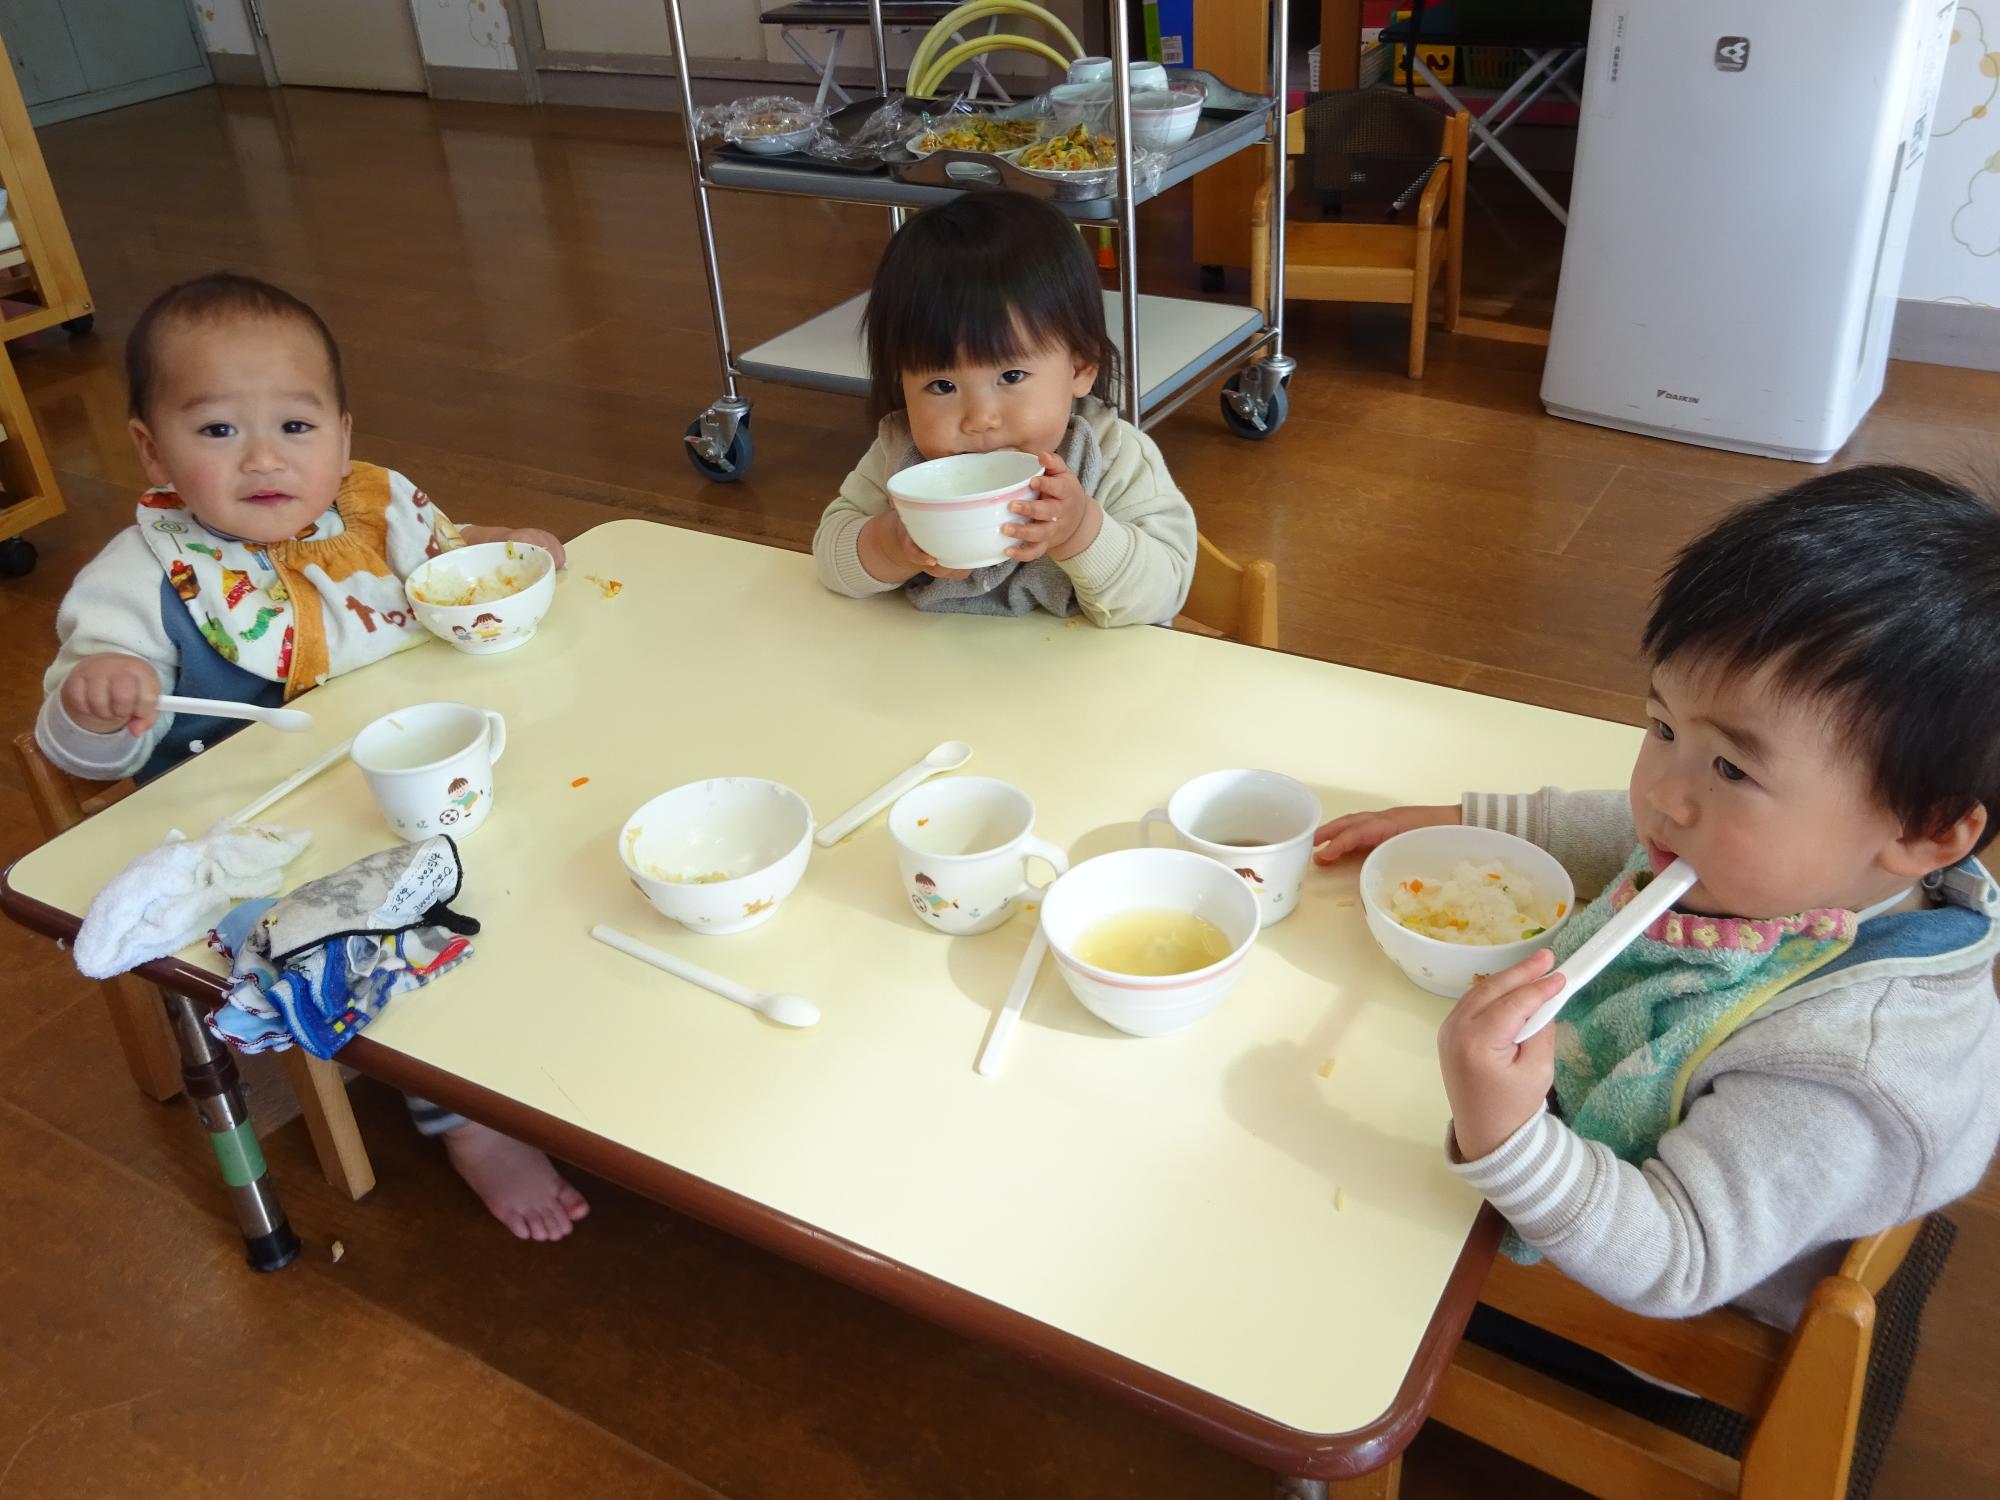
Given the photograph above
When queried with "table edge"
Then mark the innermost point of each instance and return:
(1224, 1424)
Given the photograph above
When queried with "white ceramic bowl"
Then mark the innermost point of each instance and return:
(1165, 117)
(954, 507)
(494, 624)
(778, 144)
(1090, 70)
(1173, 879)
(1450, 969)
(756, 834)
(1145, 75)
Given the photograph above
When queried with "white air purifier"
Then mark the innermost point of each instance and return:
(1745, 177)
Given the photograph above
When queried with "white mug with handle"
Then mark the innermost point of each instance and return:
(430, 767)
(963, 845)
(1258, 823)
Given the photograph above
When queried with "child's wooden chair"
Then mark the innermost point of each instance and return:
(1395, 257)
(62, 801)
(1239, 600)
(1802, 1392)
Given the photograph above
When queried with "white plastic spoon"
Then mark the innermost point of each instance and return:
(291, 720)
(1613, 938)
(786, 1010)
(946, 757)
(994, 1052)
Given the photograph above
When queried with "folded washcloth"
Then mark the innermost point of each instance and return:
(171, 896)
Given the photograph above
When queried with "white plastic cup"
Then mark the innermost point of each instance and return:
(1258, 823)
(962, 847)
(430, 767)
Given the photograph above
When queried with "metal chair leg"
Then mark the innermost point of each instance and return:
(209, 1073)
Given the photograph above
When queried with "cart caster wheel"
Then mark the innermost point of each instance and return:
(17, 557)
(735, 463)
(1268, 417)
(76, 328)
(1211, 279)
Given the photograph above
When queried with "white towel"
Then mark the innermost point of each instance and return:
(173, 895)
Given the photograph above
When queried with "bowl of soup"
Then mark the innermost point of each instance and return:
(1150, 940)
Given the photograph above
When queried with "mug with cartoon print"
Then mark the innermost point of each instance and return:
(430, 767)
(963, 845)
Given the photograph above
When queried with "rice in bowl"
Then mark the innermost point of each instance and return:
(1478, 904)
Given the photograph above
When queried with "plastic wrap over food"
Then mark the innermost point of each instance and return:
(771, 122)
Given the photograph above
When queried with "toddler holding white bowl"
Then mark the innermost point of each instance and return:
(986, 334)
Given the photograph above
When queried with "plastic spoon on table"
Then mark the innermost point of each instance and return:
(1613, 938)
(291, 720)
(786, 1010)
(946, 757)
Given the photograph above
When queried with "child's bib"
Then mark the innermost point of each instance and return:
(324, 602)
(1627, 1045)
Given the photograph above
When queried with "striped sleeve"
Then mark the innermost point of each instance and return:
(1590, 833)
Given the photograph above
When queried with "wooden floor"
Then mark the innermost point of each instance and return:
(521, 302)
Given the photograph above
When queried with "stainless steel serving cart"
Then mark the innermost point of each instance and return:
(1172, 347)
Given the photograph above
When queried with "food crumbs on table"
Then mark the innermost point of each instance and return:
(1073, 623)
(1326, 1068)
(610, 588)
(1345, 901)
(581, 781)
(922, 821)
(1340, 1200)
(338, 1251)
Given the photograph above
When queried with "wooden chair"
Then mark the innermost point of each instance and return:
(62, 801)
(1802, 1391)
(1396, 260)
(1238, 600)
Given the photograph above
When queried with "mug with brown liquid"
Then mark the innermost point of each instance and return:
(1258, 823)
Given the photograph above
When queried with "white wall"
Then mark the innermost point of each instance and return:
(1954, 251)
(225, 27)
(465, 33)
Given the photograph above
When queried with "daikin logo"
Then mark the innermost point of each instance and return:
(1666, 395)
(1732, 54)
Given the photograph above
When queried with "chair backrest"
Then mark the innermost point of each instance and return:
(1239, 600)
(60, 800)
(1369, 152)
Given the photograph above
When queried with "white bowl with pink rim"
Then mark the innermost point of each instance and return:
(1149, 879)
(1450, 969)
(954, 507)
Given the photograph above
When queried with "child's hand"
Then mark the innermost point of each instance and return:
(1060, 521)
(110, 692)
(1357, 833)
(890, 555)
(1494, 1086)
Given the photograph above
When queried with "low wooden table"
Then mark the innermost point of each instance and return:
(1159, 1217)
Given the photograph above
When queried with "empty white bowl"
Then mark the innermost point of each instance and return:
(1155, 879)
(1450, 969)
(1145, 75)
(490, 625)
(1165, 117)
(954, 507)
(755, 835)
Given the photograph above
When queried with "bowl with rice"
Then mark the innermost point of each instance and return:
(484, 599)
(1452, 904)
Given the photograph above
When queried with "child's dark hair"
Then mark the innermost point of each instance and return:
(214, 298)
(987, 277)
(1877, 590)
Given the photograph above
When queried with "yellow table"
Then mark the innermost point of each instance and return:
(1156, 1216)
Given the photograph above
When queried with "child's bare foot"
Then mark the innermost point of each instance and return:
(519, 1185)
